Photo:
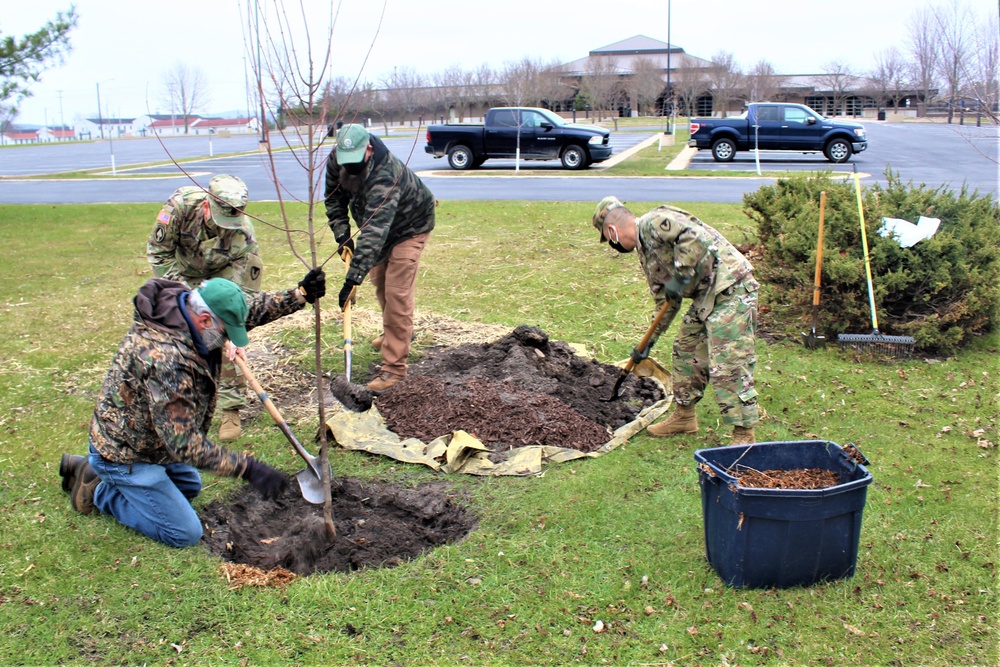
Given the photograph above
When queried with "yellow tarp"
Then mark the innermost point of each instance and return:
(459, 452)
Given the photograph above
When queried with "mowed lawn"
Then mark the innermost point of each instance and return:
(616, 540)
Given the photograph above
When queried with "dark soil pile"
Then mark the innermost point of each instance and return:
(521, 390)
(797, 478)
(377, 525)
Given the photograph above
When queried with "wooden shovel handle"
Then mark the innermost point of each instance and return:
(819, 248)
(649, 332)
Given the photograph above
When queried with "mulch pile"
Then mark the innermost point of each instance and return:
(798, 478)
(520, 390)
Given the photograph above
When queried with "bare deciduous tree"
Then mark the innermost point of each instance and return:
(889, 76)
(603, 87)
(837, 77)
(955, 36)
(690, 82)
(762, 84)
(646, 84)
(724, 79)
(923, 54)
(185, 91)
(986, 71)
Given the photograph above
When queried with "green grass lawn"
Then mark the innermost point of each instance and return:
(617, 539)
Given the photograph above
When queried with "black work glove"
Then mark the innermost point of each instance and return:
(672, 288)
(313, 285)
(345, 245)
(264, 478)
(345, 292)
(638, 355)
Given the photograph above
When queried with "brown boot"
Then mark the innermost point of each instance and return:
(377, 342)
(81, 496)
(230, 427)
(683, 420)
(383, 381)
(67, 470)
(743, 436)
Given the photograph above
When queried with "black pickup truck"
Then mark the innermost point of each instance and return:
(525, 132)
(783, 127)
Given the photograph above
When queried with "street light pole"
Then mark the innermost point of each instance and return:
(100, 120)
(670, 129)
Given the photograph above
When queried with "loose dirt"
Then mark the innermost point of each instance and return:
(521, 389)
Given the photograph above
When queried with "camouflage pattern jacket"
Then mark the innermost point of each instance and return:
(672, 241)
(388, 202)
(158, 398)
(187, 246)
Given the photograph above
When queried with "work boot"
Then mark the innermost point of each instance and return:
(85, 481)
(230, 427)
(377, 342)
(683, 420)
(67, 470)
(743, 436)
(383, 381)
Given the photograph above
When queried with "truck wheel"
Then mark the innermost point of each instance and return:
(724, 150)
(574, 157)
(461, 158)
(838, 150)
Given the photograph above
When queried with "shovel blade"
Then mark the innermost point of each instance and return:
(311, 486)
(812, 340)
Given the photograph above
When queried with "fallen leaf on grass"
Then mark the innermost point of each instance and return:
(853, 630)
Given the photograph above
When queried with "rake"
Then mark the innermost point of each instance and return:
(875, 343)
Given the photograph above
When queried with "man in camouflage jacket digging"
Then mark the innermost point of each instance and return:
(394, 213)
(148, 435)
(201, 234)
(683, 257)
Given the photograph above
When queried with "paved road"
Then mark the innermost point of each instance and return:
(939, 155)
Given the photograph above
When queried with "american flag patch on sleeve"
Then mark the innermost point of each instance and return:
(163, 217)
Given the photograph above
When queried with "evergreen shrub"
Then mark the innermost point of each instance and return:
(943, 291)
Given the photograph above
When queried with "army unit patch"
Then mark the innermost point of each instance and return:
(160, 232)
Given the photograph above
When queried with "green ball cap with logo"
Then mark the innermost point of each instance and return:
(352, 142)
(229, 304)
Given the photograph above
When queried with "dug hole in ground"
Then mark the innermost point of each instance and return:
(483, 400)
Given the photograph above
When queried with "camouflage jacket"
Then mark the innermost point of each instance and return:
(157, 400)
(388, 202)
(187, 246)
(672, 241)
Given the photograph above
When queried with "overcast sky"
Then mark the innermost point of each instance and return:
(125, 48)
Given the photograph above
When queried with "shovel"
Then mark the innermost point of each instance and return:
(348, 343)
(310, 478)
(629, 365)
(812, 340)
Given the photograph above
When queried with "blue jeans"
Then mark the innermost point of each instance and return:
(152, 499)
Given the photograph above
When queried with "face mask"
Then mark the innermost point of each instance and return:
(214, 338)
(615, 244)
(356, 168)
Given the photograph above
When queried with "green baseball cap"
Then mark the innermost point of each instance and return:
(229, 304)
(228, 197)
(605, 205)
(352, 142)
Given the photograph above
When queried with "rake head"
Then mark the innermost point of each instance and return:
(877, 344)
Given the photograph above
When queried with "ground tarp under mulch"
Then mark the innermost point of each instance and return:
(504, 408)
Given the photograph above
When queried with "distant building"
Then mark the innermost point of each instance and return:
(105, 128)
(223, 126)
(47, 134)
(15, 136)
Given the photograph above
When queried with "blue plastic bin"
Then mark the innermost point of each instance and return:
(775, 538)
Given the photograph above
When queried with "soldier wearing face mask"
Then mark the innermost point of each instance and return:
(205, 233)
(149, 432)
(394, 214)
(683, 257)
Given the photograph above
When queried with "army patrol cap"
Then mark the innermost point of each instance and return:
(229, 304)
(605, 205)
(228, 198)
(352, 142)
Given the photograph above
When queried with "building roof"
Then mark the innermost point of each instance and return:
(21, 135)
(624, 54)
(224, 122)
(177, 121)
(110, 121)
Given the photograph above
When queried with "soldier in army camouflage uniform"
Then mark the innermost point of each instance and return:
(394, 213)
(683, 257)
(149, 431)
(201, 234)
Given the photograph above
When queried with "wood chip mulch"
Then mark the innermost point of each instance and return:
(801, 478)
(239, 575)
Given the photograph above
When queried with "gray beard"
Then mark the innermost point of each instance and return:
(213, 339)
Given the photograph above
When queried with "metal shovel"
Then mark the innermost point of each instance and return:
(629, 365)
(310, 478)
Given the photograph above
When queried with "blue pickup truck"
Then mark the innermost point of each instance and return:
(526, 132)
(781, 127)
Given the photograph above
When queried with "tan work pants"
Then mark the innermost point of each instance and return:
(395, 282)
